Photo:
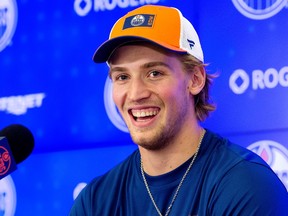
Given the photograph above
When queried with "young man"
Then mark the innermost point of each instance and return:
(161, 90)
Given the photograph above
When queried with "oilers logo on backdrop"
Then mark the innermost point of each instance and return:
(111, 108)
(275, 155)
(8, 21)
(7, 197)
(79, 187)
(259, 9)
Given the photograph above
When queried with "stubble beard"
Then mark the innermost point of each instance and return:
(155, 142)
(163, 136)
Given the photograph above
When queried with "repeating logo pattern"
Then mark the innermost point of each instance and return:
(111, 108)
(84, 7)
(18, 105)
(240, 80)
(7, 197)
(275, 155)
(259, 9)
(8, 22)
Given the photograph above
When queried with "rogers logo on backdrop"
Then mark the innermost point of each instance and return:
(275, 155)
(83, 7)
(259, 9)
(240, 80)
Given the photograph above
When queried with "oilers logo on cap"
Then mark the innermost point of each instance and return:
(140, 20)
(8, 20)
(137, 20)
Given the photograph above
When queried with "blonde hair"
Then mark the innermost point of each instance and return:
(203, 103)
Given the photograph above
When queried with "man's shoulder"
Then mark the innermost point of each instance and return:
(238, 176)
(223, 150)
(221, 156)
(120, 171)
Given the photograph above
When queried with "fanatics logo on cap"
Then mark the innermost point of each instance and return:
(191, 43)
(140, 20)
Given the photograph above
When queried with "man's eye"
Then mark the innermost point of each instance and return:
(154, 73)
(121, 77)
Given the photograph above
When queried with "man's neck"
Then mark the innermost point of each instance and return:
(173, 155)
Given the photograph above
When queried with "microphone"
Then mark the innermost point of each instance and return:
(16, 144)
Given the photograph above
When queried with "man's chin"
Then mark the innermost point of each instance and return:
(149, 144)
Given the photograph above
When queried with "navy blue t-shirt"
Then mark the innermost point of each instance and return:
(225, 179)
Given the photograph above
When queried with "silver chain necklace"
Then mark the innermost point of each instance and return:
(180, 184)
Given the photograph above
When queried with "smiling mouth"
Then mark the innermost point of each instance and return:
(144, 114)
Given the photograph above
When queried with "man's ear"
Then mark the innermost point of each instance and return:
(197, 80)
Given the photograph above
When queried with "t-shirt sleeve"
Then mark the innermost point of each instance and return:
(249, 190)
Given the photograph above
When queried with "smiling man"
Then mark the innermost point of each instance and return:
(161, 89)
(147, 83)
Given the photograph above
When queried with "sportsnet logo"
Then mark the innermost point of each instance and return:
(275, 155)
(259, 9)
(8, 20)
(18, 105)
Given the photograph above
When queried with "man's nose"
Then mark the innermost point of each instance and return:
(138, 90)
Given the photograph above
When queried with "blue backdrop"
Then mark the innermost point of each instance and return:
(50, 84)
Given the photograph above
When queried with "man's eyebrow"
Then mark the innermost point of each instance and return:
(144, 66)
(153, 64)
(114, 69)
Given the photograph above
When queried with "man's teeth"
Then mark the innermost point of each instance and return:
(138, 114)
